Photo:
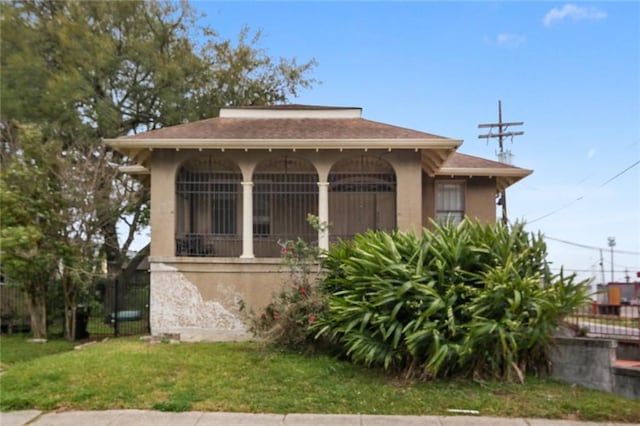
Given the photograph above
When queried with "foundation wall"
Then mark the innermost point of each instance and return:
(205, 299)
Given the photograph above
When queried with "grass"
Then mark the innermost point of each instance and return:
(128, 373)
(15, 349)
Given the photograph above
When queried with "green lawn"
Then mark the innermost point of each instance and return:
(15, 349)
(128, 373)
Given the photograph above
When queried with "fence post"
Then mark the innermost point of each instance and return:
(116, 306)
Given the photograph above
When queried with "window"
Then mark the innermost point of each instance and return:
(207, 214)
(450, 201)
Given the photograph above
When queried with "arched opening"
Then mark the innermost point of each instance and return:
(362, 196)
(208, 208)
(285, 190)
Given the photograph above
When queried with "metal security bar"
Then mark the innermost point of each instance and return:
(285, 191)
(209, 210)
(362, 196)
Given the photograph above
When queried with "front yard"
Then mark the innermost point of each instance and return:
(129, 373)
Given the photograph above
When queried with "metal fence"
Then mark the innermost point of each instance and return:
(108, 308)
(118, 308)
(620, 322)
(14, 314)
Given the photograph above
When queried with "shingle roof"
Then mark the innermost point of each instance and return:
(459, 160)
(468, 165)
(283, 129)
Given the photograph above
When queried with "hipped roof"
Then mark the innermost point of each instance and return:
(309, 127)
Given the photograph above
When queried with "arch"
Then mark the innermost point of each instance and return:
(285, 191)
(208, 207)
(362, 196)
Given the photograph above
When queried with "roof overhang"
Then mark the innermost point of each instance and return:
(139, 150)
(505, 177)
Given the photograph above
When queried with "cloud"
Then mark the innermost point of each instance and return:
(574, 12)
(510, 40)
(591, 153)
(506, 40)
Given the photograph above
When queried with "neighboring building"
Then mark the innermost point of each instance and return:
(225, 190)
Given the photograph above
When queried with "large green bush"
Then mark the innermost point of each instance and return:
(461, 299)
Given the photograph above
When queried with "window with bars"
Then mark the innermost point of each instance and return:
(208, 209)
(362, 196)
(450, 201)
(285, 190)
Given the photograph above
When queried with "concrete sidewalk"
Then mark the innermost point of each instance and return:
(157, 418)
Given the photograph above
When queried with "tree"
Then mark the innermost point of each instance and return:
(30, 210)
(83, 71)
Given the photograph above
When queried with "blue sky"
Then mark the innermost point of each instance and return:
(570, 71)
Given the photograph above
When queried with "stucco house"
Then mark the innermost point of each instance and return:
(225, 190)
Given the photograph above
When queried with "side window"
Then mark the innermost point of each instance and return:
(450, 201)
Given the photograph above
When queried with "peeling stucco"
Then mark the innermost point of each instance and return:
(176, 304)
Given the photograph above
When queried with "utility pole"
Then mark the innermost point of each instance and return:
(612, 244)
(503, 156)
(602, 267)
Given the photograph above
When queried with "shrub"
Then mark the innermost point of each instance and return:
(462, 299)
(286, 320)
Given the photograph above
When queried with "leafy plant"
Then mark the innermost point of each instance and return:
(287, 318)
(461, 299)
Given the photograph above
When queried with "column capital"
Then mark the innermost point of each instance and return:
(246, 183)
(323, 184)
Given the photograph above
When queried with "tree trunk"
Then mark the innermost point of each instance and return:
(69, 308)
(37, 314)
(70, 323)
(126, 273)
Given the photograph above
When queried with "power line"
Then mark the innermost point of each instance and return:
(621, 173)
(582, 196)
(571, 243)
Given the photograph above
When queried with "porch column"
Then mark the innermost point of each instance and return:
(247, 220)
(323, 215)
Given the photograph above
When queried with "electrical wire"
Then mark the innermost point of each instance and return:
(590, 247)
(582, 196)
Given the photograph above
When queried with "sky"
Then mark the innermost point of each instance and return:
(569, 71)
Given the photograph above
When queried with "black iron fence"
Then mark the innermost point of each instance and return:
(108, 308)
(14, 314)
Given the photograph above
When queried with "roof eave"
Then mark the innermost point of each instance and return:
(505, 177)
(128, 146)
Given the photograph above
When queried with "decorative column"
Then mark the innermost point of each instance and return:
(323, 215)
(247, 220)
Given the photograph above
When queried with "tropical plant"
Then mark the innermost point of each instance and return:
(461, 299)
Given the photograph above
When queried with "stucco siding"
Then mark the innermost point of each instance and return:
(481, 199)
(201, 296)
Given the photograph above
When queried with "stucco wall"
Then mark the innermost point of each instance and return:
(210, 298)
(200, 298)
(480, 197)
(591, 363)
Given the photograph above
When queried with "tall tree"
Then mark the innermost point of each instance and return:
(30, 208)
(85, 71)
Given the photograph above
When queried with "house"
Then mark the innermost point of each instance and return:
(226, 190)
